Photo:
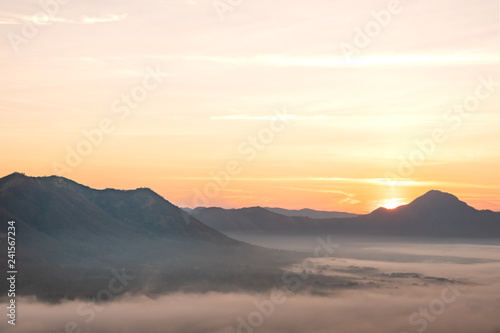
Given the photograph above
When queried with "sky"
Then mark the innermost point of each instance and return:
(341, 105)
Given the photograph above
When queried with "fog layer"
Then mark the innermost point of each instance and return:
(454, 295)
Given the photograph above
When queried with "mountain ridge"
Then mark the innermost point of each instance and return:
(433, 214)
(51, 187)
(69, 236)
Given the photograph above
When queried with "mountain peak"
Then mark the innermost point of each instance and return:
(436, 203)
(429, 202)
(436, 193)
(435, 197)
(15, 175)
(57, 204)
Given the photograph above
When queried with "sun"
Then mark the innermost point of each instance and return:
(392, 203)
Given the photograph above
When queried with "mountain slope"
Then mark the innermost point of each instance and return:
(311, 213)
(438, 214)
(56, 205)
(435, 214)
(253, 219)
(70, 236)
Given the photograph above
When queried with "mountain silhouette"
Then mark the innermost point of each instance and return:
(69, 236)
(55, 205)
(434, 214)
(314, 214)
(254, 220)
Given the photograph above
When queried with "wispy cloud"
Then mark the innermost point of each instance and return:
(104, 19)
(250, 117)
(348, 199)
(8, 21)
(371, 181)
(332, 61)
(47, 20)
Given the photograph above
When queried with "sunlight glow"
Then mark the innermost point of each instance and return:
(392, 203)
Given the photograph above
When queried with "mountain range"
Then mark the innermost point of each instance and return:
(306, 212)
(435, 214)
(69, 237)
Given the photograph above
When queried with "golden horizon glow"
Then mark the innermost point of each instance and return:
(392, 203)
(270, 89)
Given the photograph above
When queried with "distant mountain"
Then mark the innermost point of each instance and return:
(306, 212)
(314, 214)
(69, 236)
(192, 211)
(311, 213)
(254, 220)
(435, 214)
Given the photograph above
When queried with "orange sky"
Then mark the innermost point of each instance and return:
(171, 95)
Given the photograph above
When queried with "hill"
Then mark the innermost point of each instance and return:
(69, 237)
(435, 214)
(311, 213)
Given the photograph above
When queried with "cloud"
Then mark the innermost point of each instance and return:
(48, 20)
(379, 309)
(348, 312)
(349, 197)
(7, 21)
(104, 19)
(250, 117)
(328, 61)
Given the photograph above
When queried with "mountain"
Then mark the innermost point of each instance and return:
(55, 205)
(72, 239)
(311, 213)
(70, 236)
(253, 219)
(256, 220)
(306, 212)
(434, 214)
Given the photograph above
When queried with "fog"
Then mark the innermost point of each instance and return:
(440, 288)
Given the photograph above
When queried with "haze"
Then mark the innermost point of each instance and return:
(386, 295)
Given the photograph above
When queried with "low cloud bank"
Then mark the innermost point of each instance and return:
(421, 295)
(475, 309)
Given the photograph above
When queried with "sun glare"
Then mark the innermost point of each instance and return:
(392, 203)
